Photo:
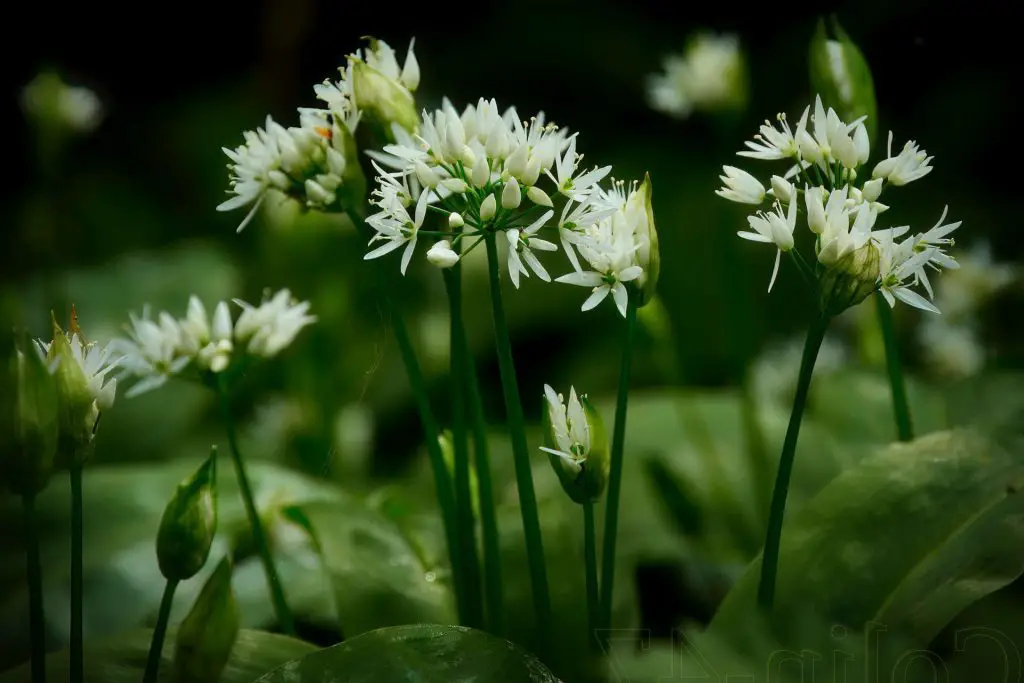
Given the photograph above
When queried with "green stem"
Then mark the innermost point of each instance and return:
(590, 558)
(156, 646)
(770, 558)
(493, 588)
(900, 406)
(259, 536)
(472, 606)
(34, 569)
(520, 452)
(77, 673)
(611, 515)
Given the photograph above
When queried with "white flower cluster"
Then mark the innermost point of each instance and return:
(840, 212)
(488, 171)
(709, 75)
(157, 349)
(315, 162)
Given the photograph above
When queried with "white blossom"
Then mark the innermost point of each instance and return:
(569, 427)
(520, 248)
(909, 165)
(442, 255)
(709, 75)
(270, 327)
(740, 187)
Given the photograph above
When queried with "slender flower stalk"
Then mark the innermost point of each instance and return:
(156, 646)
(770, 557)
(277, 597)
(517, 432)
(590, 559)
(900, 405)
(611, 515)
(77, 673)
(469, 590)
(34, 569)
(494, 592)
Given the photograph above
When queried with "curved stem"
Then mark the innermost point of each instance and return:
(34, 569)
(590, 559)
(900, 405)
(611, 515)
(259, 536)
(770, 558)
(472, 607)
(156, 646)
(77, 673)
(493, 588)
(520, 452)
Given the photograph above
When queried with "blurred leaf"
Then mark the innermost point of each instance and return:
(207, 635)
(424, 653)
(952, 531)
(377, 575)
(841, 75)
(122, 659)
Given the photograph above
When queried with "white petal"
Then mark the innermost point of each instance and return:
(597, 297)
(587, 278)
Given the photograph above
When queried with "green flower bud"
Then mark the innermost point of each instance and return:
(29, 419)
(207, 635)
(380, 91)
(78, 411)
(640, 213)
(840, 74)
(850, 280)
(189, 524)
(577, 445)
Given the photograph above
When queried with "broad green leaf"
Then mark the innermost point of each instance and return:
(122, 659)
(424, 653)
(378, 576)
(908, 538)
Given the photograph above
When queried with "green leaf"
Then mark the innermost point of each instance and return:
(423, 653)
(840, 74)
(377, 574)
(907, 538)
(122, 659)
(207, 635)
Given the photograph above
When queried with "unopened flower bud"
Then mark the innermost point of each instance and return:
(850, 280)
(783, 190)
(442, 255)
(29, 420)
(381, 98)
(427, 176)
(481, 174)
(511, 197)
(862, 142)
(456, 185)
(488, 207)
(872, 189)
(815, 200)
(455, 220)
(577, 445)
(640, 213)
(538, 196)
(189, 523)
(207, 635)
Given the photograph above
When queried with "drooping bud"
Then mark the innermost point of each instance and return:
(577, 445)
(29, 419)
(189, 524)
(850, 280)
(640, 214)
(381, 97)
(442, 255)
(207, 635)
(840, 74)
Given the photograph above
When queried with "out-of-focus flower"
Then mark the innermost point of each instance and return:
(155, 351)
(710, 75)
(54, 104)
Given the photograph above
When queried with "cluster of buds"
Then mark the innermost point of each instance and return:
(709, 75)
(488, 171)
(156, 350)
(852, 258)
(316, 163)
(577, 445)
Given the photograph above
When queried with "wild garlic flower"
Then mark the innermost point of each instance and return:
(488, 171)
(853, 257)
(314, 163)
(155, 351)
(51, 102)
(709, 75)
(576, 445)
